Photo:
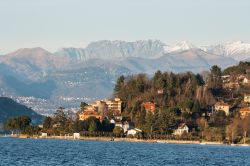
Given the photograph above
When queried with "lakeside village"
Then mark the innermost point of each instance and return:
(213, 107)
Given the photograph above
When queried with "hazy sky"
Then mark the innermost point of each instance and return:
(52, 24)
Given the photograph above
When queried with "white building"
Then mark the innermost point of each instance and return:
(76, 135)
(133, 131)
(44, 135)
(221, 106)
(118, 124)
(247, 98)
(126, 126)
(246, 80)
(183, 128)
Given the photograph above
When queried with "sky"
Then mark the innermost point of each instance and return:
(53, 24)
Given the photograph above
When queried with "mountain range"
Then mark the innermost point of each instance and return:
(71, 75)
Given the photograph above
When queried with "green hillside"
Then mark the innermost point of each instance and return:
(9, 108)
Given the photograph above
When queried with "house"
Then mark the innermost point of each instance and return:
(244, 112)
(134, 131)
(44, 135)
(183, 128)
(76, 135)
(149, 106)
(225, 78)
(247, 98)
(160, 91)
(246, 80)
(221, 106)
(125, 125)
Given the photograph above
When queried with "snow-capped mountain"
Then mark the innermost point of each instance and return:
(181, 46)
(73, 74)
(237, 50)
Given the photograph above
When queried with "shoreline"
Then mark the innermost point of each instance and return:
(84, 138)
(122, 140)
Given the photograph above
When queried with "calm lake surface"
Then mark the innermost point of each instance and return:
(71, 152)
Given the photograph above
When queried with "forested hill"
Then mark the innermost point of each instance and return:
(187, 98)
(9, 108)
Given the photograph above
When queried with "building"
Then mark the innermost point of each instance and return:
(134, 131)
(183, 128)
(115, 106)
(149, 106)
(90, 111)
(90, 108)
(231, 85)
(244, 112)
(221, 106)
(247, 98)
(86, 114)
(118, 124)
(44, 135)
(160, 91)
(76, 135)
(246, 80)
(102, 107)
(124, 125)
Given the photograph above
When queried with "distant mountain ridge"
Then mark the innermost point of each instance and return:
(237, 50)
(70, 74)
(115, 49)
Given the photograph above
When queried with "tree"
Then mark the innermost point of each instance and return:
(60, 117)
(195, 107)
(118, 131)
(186, 104)
(48, 123)
(119, 84)
(149, 122)
(216, 71)
(24, 121)
(213, 134)
(78, 126)
(92, 126)
(106, 125)
(83, 105)
(17, 123)
(202, 124)
(214, 80)
(238, 128)
(31, 130)
(218, 119)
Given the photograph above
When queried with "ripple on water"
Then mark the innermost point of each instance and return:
(65, 152)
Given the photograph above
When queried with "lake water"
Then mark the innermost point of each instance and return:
(77, 152)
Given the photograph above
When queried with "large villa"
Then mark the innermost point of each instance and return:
(101, 108)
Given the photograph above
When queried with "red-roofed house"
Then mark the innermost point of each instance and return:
(244, 112)
(149, 106)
